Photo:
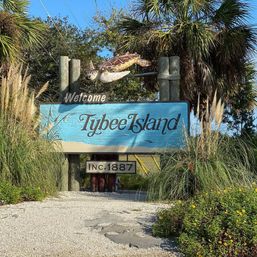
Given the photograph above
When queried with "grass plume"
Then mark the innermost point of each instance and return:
(210, 161)
(17, 101)
(26, 159)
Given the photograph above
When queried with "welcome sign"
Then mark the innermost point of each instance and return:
(116, 127)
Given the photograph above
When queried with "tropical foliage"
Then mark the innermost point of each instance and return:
(11, 194)
(17, 32)
(66, 39)
(239, 113)
(212, 38)
(214, 224)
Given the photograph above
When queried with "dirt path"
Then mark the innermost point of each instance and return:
(81, 225)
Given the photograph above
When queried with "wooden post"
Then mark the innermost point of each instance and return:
(74, 172)
(74, 75)
(163, 78)
(64, 76)
(64, 88)
(74, 159)
(169, 78)
(169, 81)
(65, 174)
(174, 89)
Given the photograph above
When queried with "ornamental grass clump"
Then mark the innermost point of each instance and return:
(215, 224)
(210, 161)
(17, 101)
(26, 159)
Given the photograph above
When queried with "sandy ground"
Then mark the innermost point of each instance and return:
(82, 224)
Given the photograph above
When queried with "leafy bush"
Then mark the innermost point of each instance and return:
(169, 221)
(32, 194)
(9, 194)
(222, 223)
(133, 182)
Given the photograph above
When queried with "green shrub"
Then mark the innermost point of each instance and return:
(169, 221)
(32, 194)
(9, 194)
(133, 182)
(26, 159)
(215, 224)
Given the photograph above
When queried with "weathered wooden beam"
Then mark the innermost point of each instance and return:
(64, 76)
(169, 81)
(74, 75)
(64, 183)
(174, 83)
(64, 88)
(74, 159)
(163, 70)
(74, 172)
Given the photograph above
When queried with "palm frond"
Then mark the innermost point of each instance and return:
(15, 6)
(231, 13)
(199, 39)
(31, 30)
(236, 43)
(133, 26)
(7, 48)
(146, 8)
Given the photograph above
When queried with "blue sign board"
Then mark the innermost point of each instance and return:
(116, 127)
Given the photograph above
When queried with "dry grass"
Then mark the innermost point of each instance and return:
(207, 143)
(17, 100)
(210, 161)
(26, 159)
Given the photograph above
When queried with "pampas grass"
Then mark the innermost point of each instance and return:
(210, 161)
(17, 101)
(26, 159)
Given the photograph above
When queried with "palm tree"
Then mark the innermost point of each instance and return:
(211, 37)
(17, 31)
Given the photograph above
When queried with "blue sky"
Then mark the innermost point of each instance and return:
(80, 12)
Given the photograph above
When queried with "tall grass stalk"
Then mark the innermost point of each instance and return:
(26, 159)
(17, 101)
(210, 161)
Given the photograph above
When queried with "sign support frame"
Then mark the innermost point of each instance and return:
(169, 81)
(69, 72)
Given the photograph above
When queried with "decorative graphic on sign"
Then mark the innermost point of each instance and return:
(115, 68)
(117, 127)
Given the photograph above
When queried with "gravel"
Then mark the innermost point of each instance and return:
(82, 224)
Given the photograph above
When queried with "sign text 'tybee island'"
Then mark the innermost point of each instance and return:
(116, 127)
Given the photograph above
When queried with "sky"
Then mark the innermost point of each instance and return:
(80, 12)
